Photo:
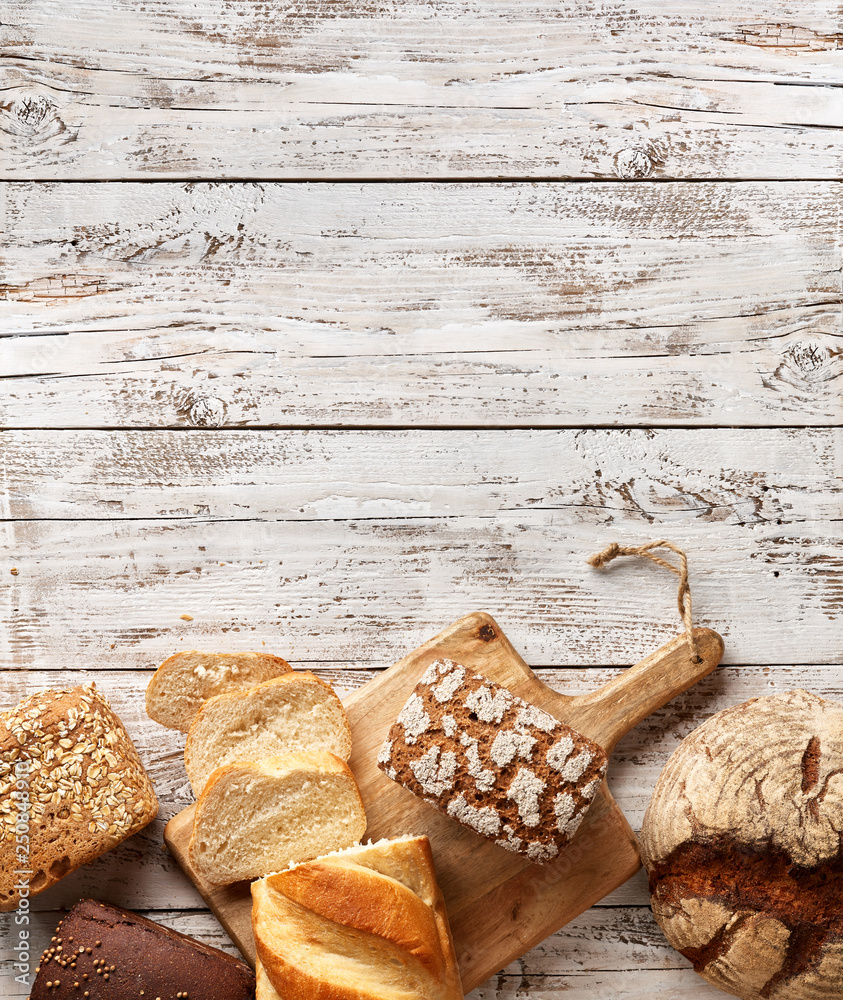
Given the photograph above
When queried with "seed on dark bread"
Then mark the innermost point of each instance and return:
(127, 956)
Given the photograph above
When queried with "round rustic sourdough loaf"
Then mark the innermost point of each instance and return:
(743, 843)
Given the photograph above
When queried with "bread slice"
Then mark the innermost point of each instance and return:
(265, 990)
(259, 817)
(186, 680)
(367, 923)
(295, 711)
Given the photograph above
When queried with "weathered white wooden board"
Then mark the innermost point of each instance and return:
(766, 476)
(428, 304)
(340, 570)
(436, 89)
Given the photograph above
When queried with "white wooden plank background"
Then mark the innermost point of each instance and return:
(442, 305)
(365, 544)
(181, 364)
(178, 88)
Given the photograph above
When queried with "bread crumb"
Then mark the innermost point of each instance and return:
(186, 618)
(14, 571)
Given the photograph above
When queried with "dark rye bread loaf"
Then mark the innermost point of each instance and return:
(742, 841)
(100, 952)
(500, 766)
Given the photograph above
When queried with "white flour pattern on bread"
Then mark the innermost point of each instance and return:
(506, 769)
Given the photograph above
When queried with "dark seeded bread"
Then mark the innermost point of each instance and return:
(101, 952)
(491, 761)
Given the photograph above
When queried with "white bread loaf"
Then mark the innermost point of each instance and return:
(186, 680)
(295, 711)
(261, 816)
(71, 781)
(367, 923)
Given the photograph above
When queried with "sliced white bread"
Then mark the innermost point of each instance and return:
(262, 816)
(264, 988)
(296, 711)
(368, 923)
(184, 681)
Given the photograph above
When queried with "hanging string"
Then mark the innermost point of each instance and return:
(683, 600)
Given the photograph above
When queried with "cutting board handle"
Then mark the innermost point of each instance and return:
(610, 712)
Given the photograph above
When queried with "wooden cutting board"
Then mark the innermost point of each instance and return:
(499, 904)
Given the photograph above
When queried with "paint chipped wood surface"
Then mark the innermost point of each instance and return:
(341, 545)
(405, 90)
(172, 305)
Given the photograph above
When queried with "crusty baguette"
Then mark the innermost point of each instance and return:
(261, 816)
(186, 680)
(70, 773)
(368, 923)
(295, 711)
(265, 989)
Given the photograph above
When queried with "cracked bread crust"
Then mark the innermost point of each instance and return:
(500, 766)
(743, 843)
(366, 923)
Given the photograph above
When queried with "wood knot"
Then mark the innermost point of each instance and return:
(807, 365)
(633, 163)
(34, 119)
(200, 410)
(207, 411)
(487, 633)
(808, 358)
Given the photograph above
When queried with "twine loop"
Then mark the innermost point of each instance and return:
(683, 598)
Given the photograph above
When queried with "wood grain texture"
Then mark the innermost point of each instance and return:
(666, 477)
(340, 305)
(355, 554)
(399, 90)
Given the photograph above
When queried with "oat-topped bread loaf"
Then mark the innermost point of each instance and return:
(101, 952)
(368, 923)
(498, 765)
(295, 711)
(71, 780)
(743, 843)
(255, 817)
(186, 680)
